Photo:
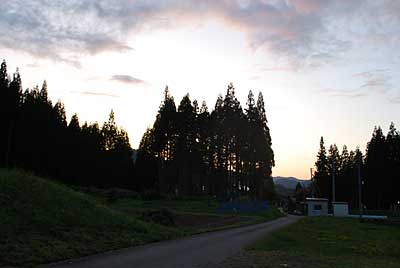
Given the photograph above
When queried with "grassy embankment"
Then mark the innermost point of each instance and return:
(41, 221)
(326, 242)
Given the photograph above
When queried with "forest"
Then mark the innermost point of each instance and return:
(225, 153)
(189, 151)
(379, 172)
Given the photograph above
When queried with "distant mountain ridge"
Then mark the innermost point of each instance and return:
(290, 182)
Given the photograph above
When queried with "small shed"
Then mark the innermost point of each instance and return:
(340, 209)
(317, 206)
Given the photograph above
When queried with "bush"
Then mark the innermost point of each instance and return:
(163, 217)
(112, 194)
(152, 195)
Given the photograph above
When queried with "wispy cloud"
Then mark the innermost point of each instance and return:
(395, 100)
(377, 80)
(371, 82)
(346, 93)
(123, 78)
(92, 93)
(370, 73)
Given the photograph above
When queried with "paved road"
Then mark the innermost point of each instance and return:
(204, 250)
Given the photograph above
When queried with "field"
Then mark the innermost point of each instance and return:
(325, 243)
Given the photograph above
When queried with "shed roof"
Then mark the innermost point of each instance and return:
(316, 199)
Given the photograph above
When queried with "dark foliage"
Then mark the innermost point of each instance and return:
(379, 169)
(35, 136)
(163, 217)
(190, 152)
(382, 169)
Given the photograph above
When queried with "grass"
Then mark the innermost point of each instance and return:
(388, 213)
(42, 221)
(332, 242)
(188, 206)
(193, 208)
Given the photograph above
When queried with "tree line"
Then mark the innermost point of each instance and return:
(379, 170)
(35, 136)
(225, 153)
(189, 151)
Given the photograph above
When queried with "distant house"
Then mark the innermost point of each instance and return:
(316, 206)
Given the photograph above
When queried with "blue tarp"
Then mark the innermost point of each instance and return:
(243, 207)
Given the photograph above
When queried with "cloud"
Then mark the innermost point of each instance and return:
(371, 82)
(32, 65)
(95, 94)
(58, 30)
(127, 79)
(371, 73)
(395, 100)
(378, 80)
(347, 93)
(64, 30)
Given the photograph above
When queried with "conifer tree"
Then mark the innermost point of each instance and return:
(164, 130)
(266, 153)
(321, 175)
(376, 165)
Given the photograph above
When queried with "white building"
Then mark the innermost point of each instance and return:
(317, 206)
(340, 209)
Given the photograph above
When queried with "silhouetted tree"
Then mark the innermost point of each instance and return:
(321, 175)
(379, 170)
(226, 153)
(35, 136)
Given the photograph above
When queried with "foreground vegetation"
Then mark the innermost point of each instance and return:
(194, 216)
(326, 242)
(41, 221)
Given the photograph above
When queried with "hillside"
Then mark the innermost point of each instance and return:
(290, 182)
(41, 221)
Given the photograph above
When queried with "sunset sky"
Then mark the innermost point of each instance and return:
(326, 68)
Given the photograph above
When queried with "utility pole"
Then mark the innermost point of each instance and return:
(312, 183)
(359, 186)
(333, 186)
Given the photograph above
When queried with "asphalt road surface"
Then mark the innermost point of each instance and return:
(204, 250)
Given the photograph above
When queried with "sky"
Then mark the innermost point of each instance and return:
(326, 68)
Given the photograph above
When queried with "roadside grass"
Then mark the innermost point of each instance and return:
(388, 213)
(42, 221)
(192, 206)
(330, 242)
(196, 209)
(188, 206)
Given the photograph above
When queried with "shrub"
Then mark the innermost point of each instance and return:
(152, 195)
(163, 217)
